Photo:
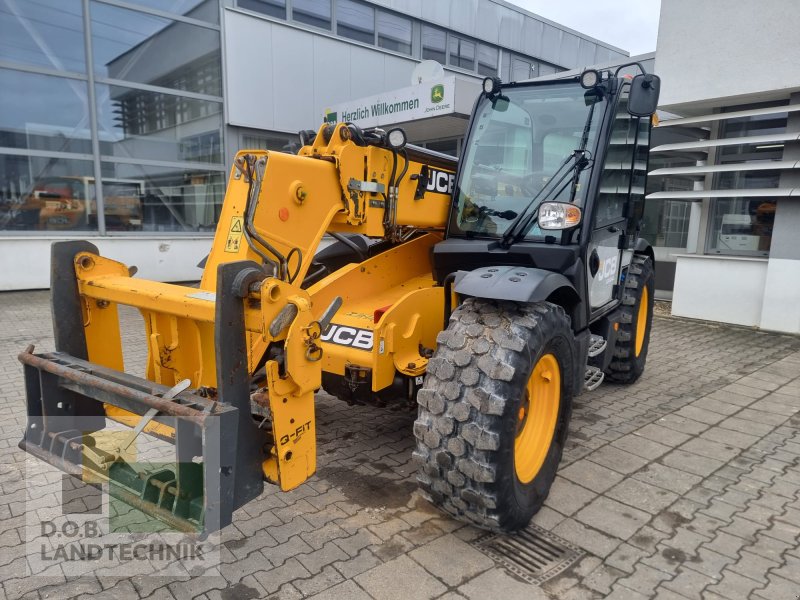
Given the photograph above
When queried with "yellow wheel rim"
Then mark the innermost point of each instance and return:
(537, 417)
(641, 320)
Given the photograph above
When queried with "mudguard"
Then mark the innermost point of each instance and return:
(520, 284)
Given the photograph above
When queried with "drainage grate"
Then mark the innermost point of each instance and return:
(534, 554)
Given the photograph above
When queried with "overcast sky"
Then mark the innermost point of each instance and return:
(628, 24)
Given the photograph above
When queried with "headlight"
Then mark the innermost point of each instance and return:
(558, 215)
(491, 85)
(590, 78)
(396, 138)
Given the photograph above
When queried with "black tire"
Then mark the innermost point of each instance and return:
(626, 364)
(469, 405)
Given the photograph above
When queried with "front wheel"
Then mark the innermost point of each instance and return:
(494, 411)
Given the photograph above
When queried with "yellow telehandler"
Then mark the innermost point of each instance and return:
(484, 293)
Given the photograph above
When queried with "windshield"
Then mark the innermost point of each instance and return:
(516, 146)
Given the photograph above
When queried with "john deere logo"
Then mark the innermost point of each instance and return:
(437, 93)
(331, 117)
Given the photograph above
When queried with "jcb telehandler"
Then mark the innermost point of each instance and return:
(484, 293)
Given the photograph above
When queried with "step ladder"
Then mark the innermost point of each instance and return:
(597, 345)
(592, 378)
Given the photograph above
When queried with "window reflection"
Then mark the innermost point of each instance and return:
(205, 10)
(273, 8)
(434, 44)
(52, 114)
(356, 21)
(45, 194)
(142, 48)
(169, 198)
(312, 12)
(45, 33)
(394, 32)
(157, 126)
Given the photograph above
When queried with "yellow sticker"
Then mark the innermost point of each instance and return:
(234, 240)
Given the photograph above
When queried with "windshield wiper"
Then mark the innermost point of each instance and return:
(577, 162)
(572, 165)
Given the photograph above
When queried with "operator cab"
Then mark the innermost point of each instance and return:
(552, 178)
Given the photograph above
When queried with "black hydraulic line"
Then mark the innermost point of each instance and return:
(250, 232)
(349, 243)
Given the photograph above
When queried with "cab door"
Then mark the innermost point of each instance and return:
(607, 256)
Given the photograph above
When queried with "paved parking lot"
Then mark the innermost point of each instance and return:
(684, 485)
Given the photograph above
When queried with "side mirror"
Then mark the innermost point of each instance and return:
(643, 99)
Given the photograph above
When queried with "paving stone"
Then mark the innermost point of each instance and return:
(613, 517)
(271, 580)
(617, 459)
(663, 434)
(745, 426)
(642, 495)
(346, 589)
(451, 560)
(364, 561)
(496, 583)
(641, 446)
(567, 497)
(400, 578)
(590, 475)
(711, 449)
(668, 478)
(701, 415)
(753, 566)
(593, 541)
(691, 463)
(602, 578)
(625, 557)
(327, 578)
(709, 562)
(315, 561)
(736, 587)
(688, 583)
(644, 579)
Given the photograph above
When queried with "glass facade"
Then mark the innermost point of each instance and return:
(142, 116)
(368, 24)
(741, 224)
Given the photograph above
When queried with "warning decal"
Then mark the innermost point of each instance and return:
(234, 240)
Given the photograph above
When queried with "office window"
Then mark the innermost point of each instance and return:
(394, 32)
(521, 69)
(40, 193)
(142, 48)
(141, 124)
(206, 10)
(434, 44)
(356, 21)
(47, 113)
(48, 33)
(462, 53)
(273, 8)
(312, 12)
(487, 60)
(161, 198)
(743, 225)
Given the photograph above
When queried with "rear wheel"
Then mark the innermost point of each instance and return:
(494, 411)
(633, 337)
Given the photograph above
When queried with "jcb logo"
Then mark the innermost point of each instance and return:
(440, 181)
(608, 269)
(360, 339)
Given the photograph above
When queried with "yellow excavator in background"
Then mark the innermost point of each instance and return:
(484, 293)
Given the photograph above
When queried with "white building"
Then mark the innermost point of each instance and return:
(726, 182)
(153, 98)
